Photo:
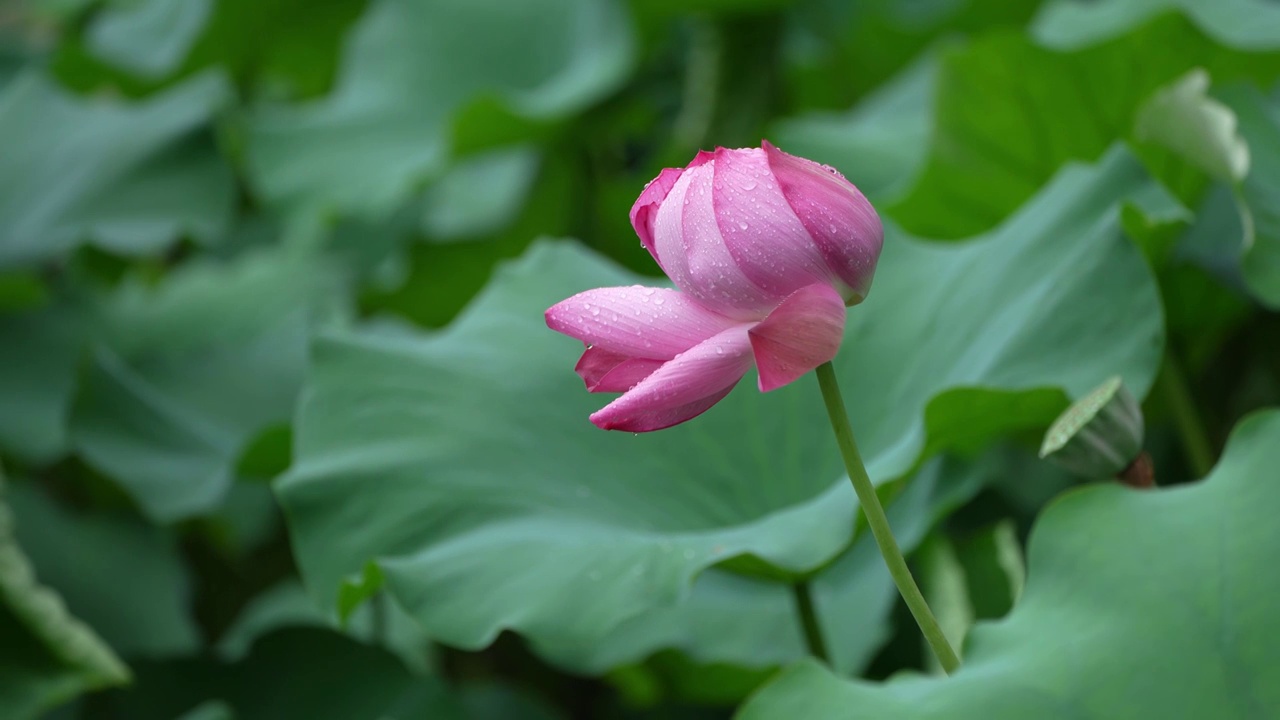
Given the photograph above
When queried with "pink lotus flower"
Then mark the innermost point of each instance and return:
(766, 249)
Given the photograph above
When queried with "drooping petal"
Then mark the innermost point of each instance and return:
(683, 387)
(760, 230)
(607, 371)
(842, 223)
(798, 336)
(636, 321)
(694, 254)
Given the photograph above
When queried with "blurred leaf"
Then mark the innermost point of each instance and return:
(441, 459)
(37, 383)
(1241, 24)
(408, 66)
(1260, 124)
(492, 701)
(1000, 134)
(946, 589)
(211, 710)
(148, 37)
(840, 51)
(48, 656)
(439, 279)
(130, 178)
(479, 195)
(124, 578)
(879, 144)
(995, 569)
(287, 604)
(1139, 604)
(728, 7)
(294, 673)
(273, 48)
(191, 371)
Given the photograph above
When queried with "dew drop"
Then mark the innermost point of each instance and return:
(719, 350)
(743, 225)
(595, 311)
(659, 301)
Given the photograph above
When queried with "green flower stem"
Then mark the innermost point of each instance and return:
(879, 524)
(809, 621)
(1195, 441)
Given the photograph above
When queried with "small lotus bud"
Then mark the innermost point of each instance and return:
(1100, 435)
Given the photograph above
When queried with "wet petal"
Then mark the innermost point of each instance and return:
(843, 224)
(688, 236)
(636, 321)
(760, 230)
(606, 371)
(683, 387)
(646, 207)
(798, 336)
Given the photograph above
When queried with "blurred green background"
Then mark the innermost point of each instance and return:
(259, 462)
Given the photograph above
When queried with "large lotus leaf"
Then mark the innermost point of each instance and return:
(1137, 604)
(130, 178)
(753, 622)
(189, 372)
(48, 655)
(123, 577)
(1242, 24)
(408, 66)
(460, 466)
(1000, 134)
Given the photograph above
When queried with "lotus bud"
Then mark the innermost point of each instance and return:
(1100, 435)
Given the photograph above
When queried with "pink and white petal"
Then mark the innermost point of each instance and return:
(644, 212)
(760, 230)
(687, 229)
(646, 207)
(636, 321)
(842, 223)
(606, 371)
(683, 387)
(798, 336)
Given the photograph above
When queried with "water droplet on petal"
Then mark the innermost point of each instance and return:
(743, 225)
